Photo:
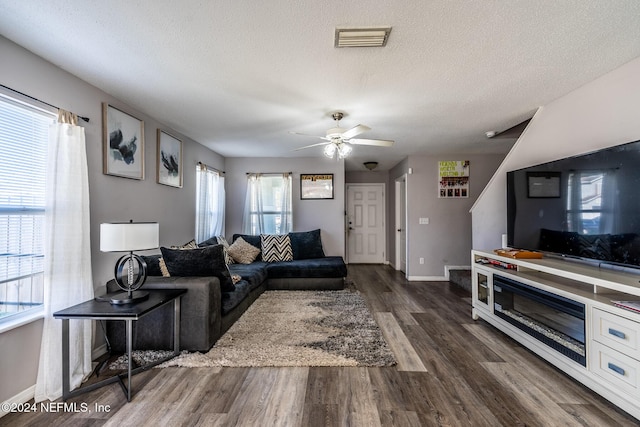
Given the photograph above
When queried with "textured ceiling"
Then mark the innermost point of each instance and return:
(238, 75)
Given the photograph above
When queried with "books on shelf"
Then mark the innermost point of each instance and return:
(628, 305)
(497, 263)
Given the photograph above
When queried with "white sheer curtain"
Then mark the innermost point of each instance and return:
(286, 211)
(210, 198)
(268, 204)
(67, 251)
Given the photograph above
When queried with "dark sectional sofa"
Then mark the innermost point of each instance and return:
(207, 312)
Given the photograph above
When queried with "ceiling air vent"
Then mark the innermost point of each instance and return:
(362, 37)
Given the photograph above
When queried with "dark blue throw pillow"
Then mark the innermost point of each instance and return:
(306, 244)
(200, 262)
(153, 264)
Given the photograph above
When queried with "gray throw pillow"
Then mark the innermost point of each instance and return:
(243, 252)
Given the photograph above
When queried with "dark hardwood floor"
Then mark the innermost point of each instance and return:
(452, 371)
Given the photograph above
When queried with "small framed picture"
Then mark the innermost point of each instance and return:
(316, 186)
(169, 164)
(123, 143)
(543, 185)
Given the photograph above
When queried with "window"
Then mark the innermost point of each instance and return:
(268, 204)
(24, 135)
(210, 197)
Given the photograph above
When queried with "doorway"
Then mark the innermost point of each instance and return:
(401, 224)
(365, 224)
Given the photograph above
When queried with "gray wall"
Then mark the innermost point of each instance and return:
(328, 215)
(446, 240)
(367, 177)
(112, 198)
(600, 114)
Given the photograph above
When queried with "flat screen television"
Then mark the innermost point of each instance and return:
(584, 207)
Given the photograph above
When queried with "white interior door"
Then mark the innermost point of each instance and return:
(365, 223)
(401, 224)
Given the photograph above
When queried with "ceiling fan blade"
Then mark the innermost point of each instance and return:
(310, 136)
(312, 145)
(376, 142)
(356, 130)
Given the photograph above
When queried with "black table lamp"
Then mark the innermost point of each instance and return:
(128, 237)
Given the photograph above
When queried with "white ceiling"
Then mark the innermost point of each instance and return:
(238, 75)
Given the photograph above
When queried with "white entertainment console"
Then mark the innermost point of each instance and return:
(611, 334)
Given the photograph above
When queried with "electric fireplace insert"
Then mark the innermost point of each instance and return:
(554, 320)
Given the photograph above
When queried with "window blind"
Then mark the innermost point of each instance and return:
(24, 131)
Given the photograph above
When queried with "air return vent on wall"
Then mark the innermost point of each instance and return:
(362, 37)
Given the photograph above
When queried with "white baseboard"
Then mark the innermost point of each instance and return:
(427, 279)
(28, 394)
(444, 278)
(99, 351)
(21, 397)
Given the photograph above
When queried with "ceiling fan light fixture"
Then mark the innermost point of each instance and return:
(362, 37)
(330, 150)
(344, 150)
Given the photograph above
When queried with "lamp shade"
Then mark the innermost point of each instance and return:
(129, 236)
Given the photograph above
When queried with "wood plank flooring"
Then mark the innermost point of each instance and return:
(452, 371)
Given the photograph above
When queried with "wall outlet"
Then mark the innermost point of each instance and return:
(423, 221)
(421, 260)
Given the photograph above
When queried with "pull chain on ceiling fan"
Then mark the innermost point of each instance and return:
(340, 140)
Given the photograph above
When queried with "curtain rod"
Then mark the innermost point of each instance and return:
(202, 165)
(269, 173)
(86, 119)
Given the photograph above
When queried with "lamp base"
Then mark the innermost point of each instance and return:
(129, 297)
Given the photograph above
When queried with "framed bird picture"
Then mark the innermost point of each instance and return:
(123, 142)
(169, 167)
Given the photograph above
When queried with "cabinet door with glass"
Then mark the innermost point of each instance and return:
(481, 290)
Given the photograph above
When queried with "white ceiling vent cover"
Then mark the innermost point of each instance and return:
(362, 37)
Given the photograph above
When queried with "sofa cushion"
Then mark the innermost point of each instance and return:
(306, 244)
(243, 252)
(231, 299)
(276, 247)
(209, 242)
(331, 266)
(254, 273)
(207, 261)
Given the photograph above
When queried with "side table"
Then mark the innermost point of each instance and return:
(102, 310)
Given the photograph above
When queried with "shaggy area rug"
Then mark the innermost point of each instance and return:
(296, 328)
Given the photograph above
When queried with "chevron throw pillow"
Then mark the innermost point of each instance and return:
(276, 248)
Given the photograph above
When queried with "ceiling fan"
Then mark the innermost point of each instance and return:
(339, 140)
